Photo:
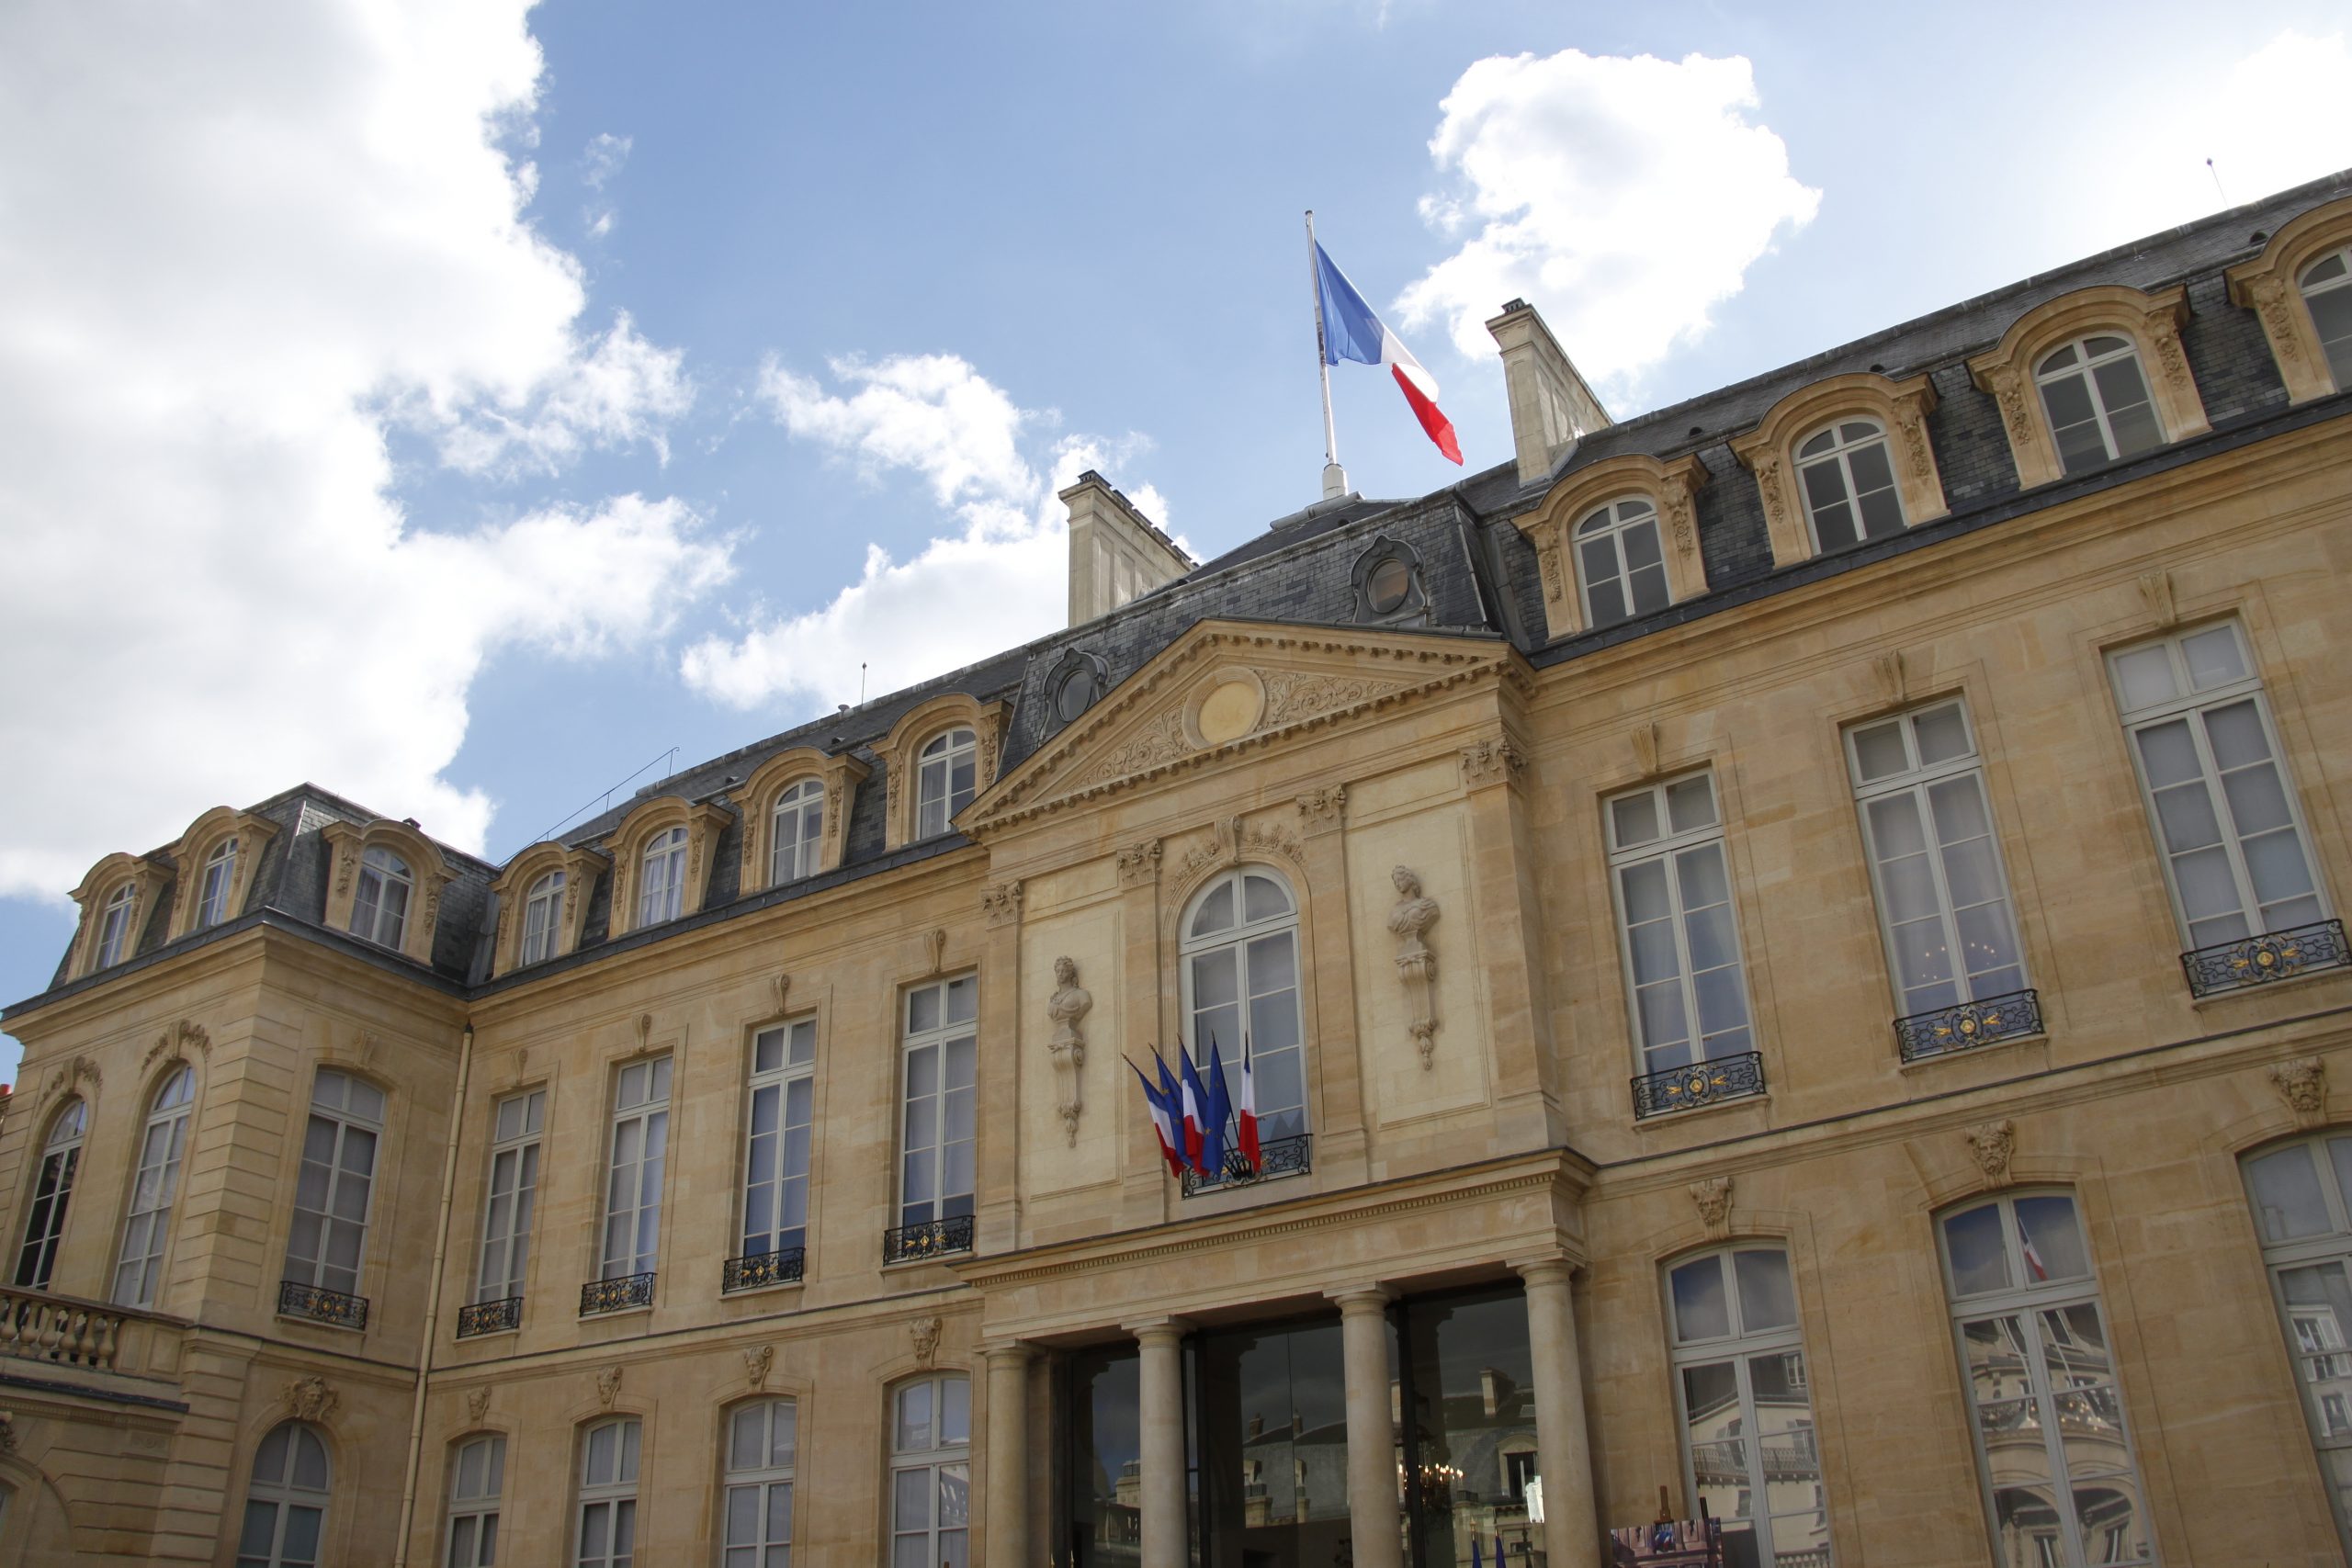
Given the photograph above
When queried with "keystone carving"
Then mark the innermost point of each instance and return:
(1067, 1007)
(1139, 863)
(1001, 903)
(2156, 592)
(781, 983)
(310, 1399)
(477, 1405)
(925, 1334)
(1711, 1195)
(1410, 921)
(1324, 809)
(2304, 1086)
(182, 1036)
(1230, 841)
(644, 1030)
(757, 1362)
(934, 944)
(1489, 761)
(1990, 1144)
(608, 1386)
(1645, 738)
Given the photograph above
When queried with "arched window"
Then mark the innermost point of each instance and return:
(541, 907)
(607, 1514)
(758, 1504)
(60, 1157)
(930, 1481)
(1748, 1432)
(798, 824)
(1621, 562)
(1240, 951)
(1848, 478)
(2302, 1206)
(114, 926)
(2327, 284)
(380, 909)
(2098, 403)
(331, 1198)
(2055, 1462)
(148, 1225)
(286, 1506)
(212, 897)
(662, 879)
(946, 774)
(476, 1475)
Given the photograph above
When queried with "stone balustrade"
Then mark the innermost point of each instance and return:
(66, 1331)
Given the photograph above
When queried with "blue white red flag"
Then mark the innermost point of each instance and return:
(1197, 1109)
(1163, 1120)
(1351, 331)
(1249, 1109)
(1220, 1111)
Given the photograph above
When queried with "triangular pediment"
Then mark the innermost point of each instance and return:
(1224, 686)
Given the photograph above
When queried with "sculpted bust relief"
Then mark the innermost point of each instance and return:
(1067, 1007)
(1410, 921)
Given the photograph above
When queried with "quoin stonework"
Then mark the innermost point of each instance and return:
(1791, 952)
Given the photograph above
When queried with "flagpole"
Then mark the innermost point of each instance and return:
(1335, 477)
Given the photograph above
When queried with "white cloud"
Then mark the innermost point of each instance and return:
(599, 162)
(998, 582)
(245, 243)
(1624, 198)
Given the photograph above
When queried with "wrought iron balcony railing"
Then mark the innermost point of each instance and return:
(600, 1296)
(1702, 1083)
(1277, 1156)
(1966, 1025)
(930, 1239)
(757, 1269)
(489, 1317)
(2258, 959)
(320, 1304)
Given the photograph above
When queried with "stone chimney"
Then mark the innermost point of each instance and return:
(1551, 406)
(1115, 553)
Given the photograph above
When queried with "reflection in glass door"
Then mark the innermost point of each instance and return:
(1273, 1447)
(1103, 1461)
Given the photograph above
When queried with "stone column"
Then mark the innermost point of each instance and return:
(1006, 1523)
(1571, 1526)
(1167, 1537)
(1372, 1438)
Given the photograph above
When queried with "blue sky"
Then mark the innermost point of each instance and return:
(461, 404)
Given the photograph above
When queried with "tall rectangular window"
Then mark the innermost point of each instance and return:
(758, 1505)
(1943, 902)
(336, 1182)
(2235, 853)
(1680, 930)
(605, 1531)
(147, 1227)
(937, 1111)
(633, 1176)
(507, 1202)
(2303, 1205)
(476, 1475)
(776, 1155)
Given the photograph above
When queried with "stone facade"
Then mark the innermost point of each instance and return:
(1432, 784)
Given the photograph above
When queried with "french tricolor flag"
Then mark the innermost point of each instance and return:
(1350, 330)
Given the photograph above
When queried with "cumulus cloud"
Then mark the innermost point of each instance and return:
(245, 244)
(997, 581)
(1625, 198)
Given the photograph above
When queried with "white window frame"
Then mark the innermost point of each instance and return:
(353, 1144)
(662, 877)
(1839, 455)
(936, 1464)
(1736, 1348)
(219, 876)
(2084, 366)
(147, 1222)
(60, 1160)
(2191, 705)
(474, 1510)
(935, 1108)
(1918, 780)
(2024, 1303)
(542, 915)
(510, 1195)
(2334, 354)
(114, 926)
(615, 1497)
(2312, 1360)
(782, 1081)
(1275, 1121)
(796, 832)
(637, 1154)
(1610, 523)
(282, 1496)
(1668, 847)
(757, 1483)
(374, 915)
(937, 800)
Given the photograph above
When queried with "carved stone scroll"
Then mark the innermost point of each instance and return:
(936, 949)
(1067, 1007)
(1410, 921)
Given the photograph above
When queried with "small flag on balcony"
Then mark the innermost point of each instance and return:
(1163, 1120)
(1220, 1111)
(1196, 1107)
(1248, 1110)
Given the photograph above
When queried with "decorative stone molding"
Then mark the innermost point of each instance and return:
(1711, 1195)
(310, 1399)
(934, 944)
(1067, 1009)
(1899, 408)
(1990, 1144)
(757, 1360)
(147, 877)
(1490, 761)
(8, 1439)
(924, 1333)
(195, 848)
(2304, 1086)
(580, 868)
(1324, 810)
(1231, 842)
(1294, 696)
(838, 773)
(899, 753)
(704, 823)
(1671, 488)
(2270, 286)
(1139, 863)
(428, 869)
(2151, 321)
(1001, 903)
(780, 986)
(477, 1405)
(1644, 738)
(1409, 922)
(1890, 676)
(2156, 592)
(608, 1386)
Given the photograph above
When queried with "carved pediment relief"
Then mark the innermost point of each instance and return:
(1225, 685)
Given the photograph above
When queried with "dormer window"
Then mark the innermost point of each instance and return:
(662, 881)
(380, 912)
(1389, 585)
(1619, 562)
(219, 874)
(2098, 403)
(540, 908)
(1078, 680)
(2326, 286)
(114, 926)
(798, 830)
(945, 777)
(1849, 488)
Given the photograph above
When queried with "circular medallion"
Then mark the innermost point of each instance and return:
(1230, 711)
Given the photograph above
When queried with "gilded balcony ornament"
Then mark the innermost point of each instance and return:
(489, 1317)
(757, 1271)
(2273, 955)
(1701, 1083)
(599, 1296)
(1966, 1025)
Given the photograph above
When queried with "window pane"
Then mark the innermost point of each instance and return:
(2287, 1199)
(1766, 1297)
(2143, 677)
(1878, 751)
(1634, 818)
(2214, 657)
(1702, 1311)
(2051, 1239)
(1979, 1260)
(1691, 803)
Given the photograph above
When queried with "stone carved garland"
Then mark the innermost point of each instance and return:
(1410, 921)
(1159, 742)
(310, 1399)
(1292, 695)
(1067, 1007)
(2304, 1086)
(1991, 1145)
